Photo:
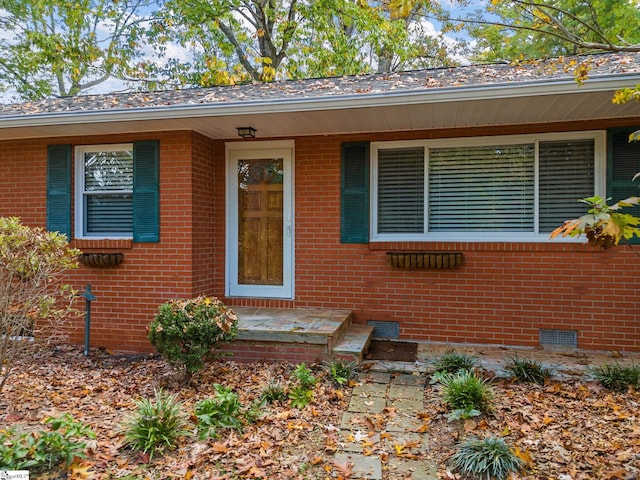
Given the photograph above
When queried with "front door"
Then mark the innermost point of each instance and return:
(260, 213)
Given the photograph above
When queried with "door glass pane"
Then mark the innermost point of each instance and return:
(260, 221)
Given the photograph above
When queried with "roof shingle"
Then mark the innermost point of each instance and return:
(601, 65)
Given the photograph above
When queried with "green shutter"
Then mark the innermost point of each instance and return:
(146, 199)
(354, 187)
(59, 189)
(623, 162)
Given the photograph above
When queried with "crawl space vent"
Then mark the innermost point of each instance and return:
(559, 338)
(384, 329)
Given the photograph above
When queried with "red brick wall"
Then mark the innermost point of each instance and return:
(127, 296)
(502, 294)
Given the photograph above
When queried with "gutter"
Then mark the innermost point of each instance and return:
(338, 102)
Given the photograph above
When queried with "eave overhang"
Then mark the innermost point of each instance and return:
(556, 100)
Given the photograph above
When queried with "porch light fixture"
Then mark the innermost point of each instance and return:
(246, 132)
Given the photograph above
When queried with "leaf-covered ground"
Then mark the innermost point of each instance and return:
(565, 431)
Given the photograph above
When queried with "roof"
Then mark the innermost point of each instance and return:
(262, 104)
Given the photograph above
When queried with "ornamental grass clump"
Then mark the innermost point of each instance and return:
(452, 361)
(186, 332)
(465, 393)
(618, 377)
(486, 459)
(527, 370)
(157, 424)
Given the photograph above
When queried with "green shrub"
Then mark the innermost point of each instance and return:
(301, 390)
(300, 396)
(487, 459)
(186, 332)
(465, 392)
(42, 450)
(222, 411)
(452, 361)
(527, 370)
(340, 371)
(303, 377)
(156, 424)
(617, 377)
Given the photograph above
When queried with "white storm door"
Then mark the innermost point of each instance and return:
(260, 219)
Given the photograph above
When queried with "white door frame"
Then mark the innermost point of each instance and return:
(258, 150)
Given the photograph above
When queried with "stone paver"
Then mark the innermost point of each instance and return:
(382, 422)
(370, 390)
(361, 466)
(400, 469)
(403, 423)
(409, 379)
(375, 377)
(367, 404)
(409, 392)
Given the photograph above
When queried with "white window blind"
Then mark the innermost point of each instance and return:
(484, 188)
(108, 192)
(401, 190)
(566, 175)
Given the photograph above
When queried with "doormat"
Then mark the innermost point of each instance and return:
(391, 350)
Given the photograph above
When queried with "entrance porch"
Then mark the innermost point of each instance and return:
(297, 335)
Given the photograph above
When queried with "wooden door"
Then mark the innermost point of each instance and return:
(260, 221)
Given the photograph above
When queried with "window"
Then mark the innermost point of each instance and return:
(499, 188)
(104, 191)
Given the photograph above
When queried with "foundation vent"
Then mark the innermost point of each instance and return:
(559, 338)
(383, 329)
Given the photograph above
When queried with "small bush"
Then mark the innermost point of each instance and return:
(464, 391)
(42, 450)
(301, 390)
(527, 370)
(340, 371)
(300, 396)
(222, 411)
(34, 302)
(157, 424)
(617, 377)
(185, 332)
(452, 361)
(303, 377)
(486, 459)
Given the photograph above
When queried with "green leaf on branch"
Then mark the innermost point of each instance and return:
(604, 226)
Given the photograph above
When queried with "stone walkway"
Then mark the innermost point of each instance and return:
(381, 434)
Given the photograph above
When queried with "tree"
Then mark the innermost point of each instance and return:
(62, 48)
(232, 40)
(533, 29)
(34, 304)
(261, 40)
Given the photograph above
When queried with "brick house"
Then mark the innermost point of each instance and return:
(420, 202)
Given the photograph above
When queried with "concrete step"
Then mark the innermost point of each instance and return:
(354, 343)
(299, 325)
